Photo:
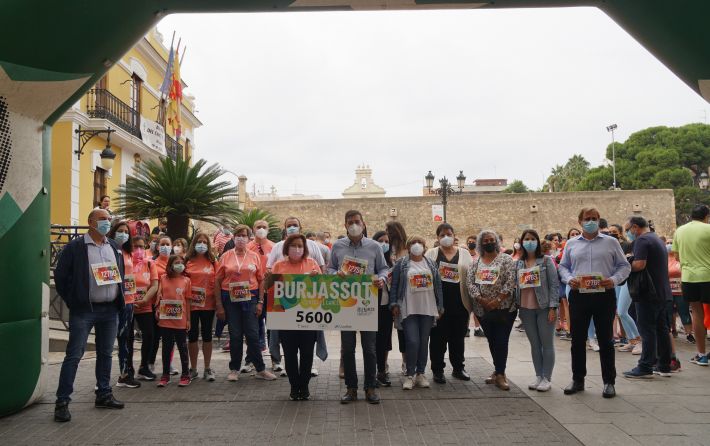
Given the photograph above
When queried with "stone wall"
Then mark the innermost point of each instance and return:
(508, 214)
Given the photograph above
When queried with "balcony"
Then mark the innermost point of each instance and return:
(101, 104)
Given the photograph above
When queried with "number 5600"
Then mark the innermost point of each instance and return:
(314, 316)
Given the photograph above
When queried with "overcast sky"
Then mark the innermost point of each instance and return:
(298, 100)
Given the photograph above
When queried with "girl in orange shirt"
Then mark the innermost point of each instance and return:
(173, 314)
(164, 248)
(239, 283)
(146, 277)
(296, 261)
(202, 269)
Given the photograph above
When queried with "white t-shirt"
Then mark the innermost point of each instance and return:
(277, 253)
(420, 297)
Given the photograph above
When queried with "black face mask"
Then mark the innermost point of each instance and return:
(489, 247)
(616, 236)
(471, 246)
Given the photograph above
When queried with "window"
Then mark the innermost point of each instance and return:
(136, 98)
(99, 185)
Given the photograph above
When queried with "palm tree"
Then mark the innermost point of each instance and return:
(253, 215)
(180, 192)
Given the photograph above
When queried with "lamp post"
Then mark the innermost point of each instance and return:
(445, 189)
(611, 129)
(704, 181)
(107, 155)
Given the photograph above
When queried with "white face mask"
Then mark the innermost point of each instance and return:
(354, 230)
(261, 233)
(446, 241)
(177, 250)
(416, 249)
(326, 241)
(516, 246)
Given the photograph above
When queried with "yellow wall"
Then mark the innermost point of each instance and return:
(86, 179)
(61, 174)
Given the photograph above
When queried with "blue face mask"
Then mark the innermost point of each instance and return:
(292, 230)
(121, 237)
(103, 226)
(201, 248)
(165, 250)
(530, 245)
(630, 236)
(385, 247)
(590, 226)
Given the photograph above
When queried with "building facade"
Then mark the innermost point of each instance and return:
(126, 100)
(364, 186)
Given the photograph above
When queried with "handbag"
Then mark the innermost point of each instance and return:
(641, 287)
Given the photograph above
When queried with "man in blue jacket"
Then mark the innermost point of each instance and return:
(89, 278)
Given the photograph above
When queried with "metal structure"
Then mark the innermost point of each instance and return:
(445, 189)
(611, 129)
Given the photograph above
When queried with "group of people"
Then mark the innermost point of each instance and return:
(173, 290)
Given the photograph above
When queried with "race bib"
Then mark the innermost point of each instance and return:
(675, 286)
(420, 282)
(198, 297)
(529, 277)
(487, 275)
(106, 273)
(171, 309)
(239, 291)
(449, 272)
(140, 293)
(355, 266)
(590, 283)
(129, 284)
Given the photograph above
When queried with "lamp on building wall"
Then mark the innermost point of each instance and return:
(703, 181)
(445, 188)
(107, 155)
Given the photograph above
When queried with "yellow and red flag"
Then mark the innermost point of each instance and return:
(175, 96)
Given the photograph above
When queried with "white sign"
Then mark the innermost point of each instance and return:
(153, 134)
(437, 213)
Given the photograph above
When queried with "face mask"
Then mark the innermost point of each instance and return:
(489, 247)
(121, 237)
(669, 248)
(385, 247)
(354, 230)
(630, 236)
(616, 236)
(241, 241)
(326, 241)
(516, 245)
(153, 245)
(164, 250)
(295, 252)
(446, 241)
(292, 230)
(590, 226)
(201, 248)
(178, 267)
(103, 226)
(530, 245)
(226, 231)
(471, 246)
(416, 249)
(138, 255)
(177, 250)
(261, 233)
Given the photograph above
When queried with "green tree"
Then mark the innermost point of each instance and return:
(180, 192)
(253, 215)
(565, 178)
(516, 187)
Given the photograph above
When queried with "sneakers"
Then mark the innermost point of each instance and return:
(225, 347)
(690, 338)
(128, 381)
(173, 370)
(700, 360)
(151, 367)
(233, 376)
(164, 380)
(61, 412)
(146, 374)
(408, 383)
(544, 386)
(276, 366)
(593, 345)
(626, 347)
(478, 332)
(248, 368)
(265, 375)
(209, 375)
(675, 365)
(383, 379)
(194, 374)
(421, 381)
(184, 381)
(534, 384)
(656, 371)
(314, 372)
(637, 349)
(637, 373)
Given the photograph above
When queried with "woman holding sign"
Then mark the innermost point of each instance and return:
(297, 261)
(453, 263)
(239, 282)
(537, 295)
(416, 301)
(491, 282)
(202, 269)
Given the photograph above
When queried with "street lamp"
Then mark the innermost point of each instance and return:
(611, 129)
(703, 181)
(445, 189)
(107, 155)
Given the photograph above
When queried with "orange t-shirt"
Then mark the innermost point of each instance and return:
(305, 266)
(174, 302)
(144, 275)
(266, 247)
(129, 284)
(240, 268)
(674, 274)
(161, 263)
(202, 274)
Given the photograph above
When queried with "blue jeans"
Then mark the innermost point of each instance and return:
(369, 356)
(125, 340)
(417, 328)
(540, 333)
(655, 338)
(241, 318)
(274, 346)
(623, 302)
(104, 320)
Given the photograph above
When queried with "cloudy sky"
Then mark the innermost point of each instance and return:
(298, 100)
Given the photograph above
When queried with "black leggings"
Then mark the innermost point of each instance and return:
(170, 337)
(295, 342)
(201, 323)
(383, 343)
(146, 324)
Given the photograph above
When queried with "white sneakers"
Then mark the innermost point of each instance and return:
(637, 349)
(408, 383)
(265, 375)
(248, 367)
(421, 381)
(534, 384)
(593, 344)
(544, 385)
(233, 375)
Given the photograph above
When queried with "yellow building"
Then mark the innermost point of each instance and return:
(126, 99)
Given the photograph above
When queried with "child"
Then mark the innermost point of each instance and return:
(173, 313)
